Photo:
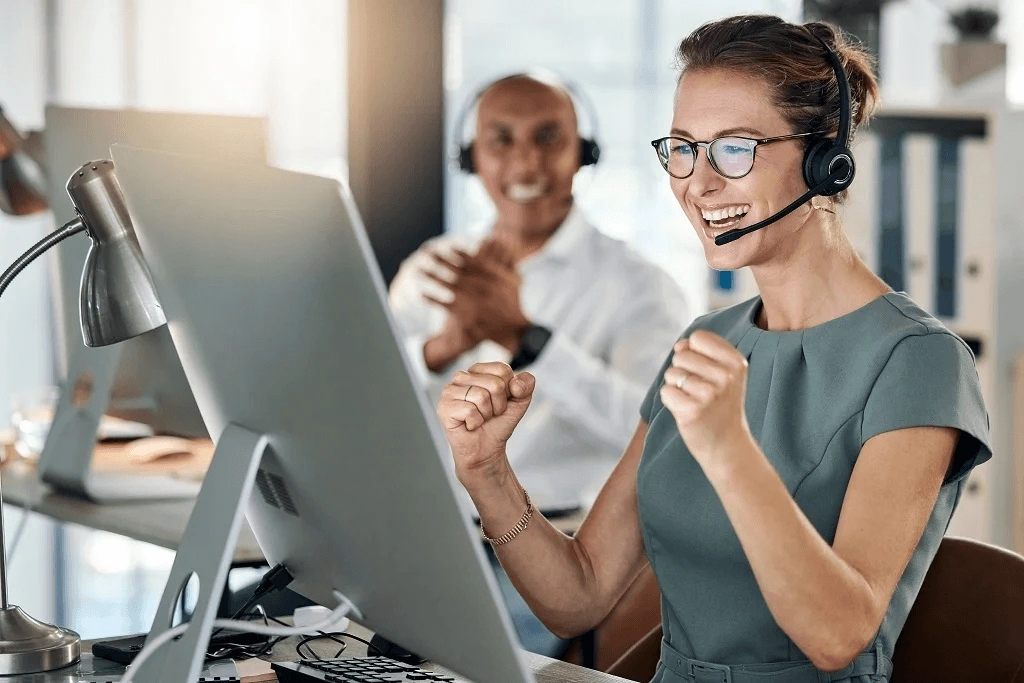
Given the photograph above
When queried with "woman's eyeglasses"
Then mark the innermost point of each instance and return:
(731, 156)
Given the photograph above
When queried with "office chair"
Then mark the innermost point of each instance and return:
(967, 623)
(639, 662)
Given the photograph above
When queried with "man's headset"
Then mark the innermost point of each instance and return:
(590, 151)
(828, 162)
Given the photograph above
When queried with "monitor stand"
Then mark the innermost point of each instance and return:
(205, 553)
(66, 460)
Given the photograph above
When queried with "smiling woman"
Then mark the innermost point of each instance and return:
(777, 92)
(800, 455)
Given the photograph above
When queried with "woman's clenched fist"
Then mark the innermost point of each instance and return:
(479, 410)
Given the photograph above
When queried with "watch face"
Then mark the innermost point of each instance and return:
(535, 338)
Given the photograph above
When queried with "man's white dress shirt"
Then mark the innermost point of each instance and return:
(614, 317)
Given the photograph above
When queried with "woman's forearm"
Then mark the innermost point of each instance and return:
(818, 599)
(551, 571)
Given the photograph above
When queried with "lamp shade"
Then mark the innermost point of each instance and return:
(118, 299)
(22, 182)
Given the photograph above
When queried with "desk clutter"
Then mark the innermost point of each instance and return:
(185, 458)
(157, 455)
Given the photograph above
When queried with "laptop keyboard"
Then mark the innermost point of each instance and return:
(354, 670)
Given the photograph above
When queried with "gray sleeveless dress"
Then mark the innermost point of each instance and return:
(814, 397)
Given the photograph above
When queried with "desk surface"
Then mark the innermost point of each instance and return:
(545, 669)
(160, 523)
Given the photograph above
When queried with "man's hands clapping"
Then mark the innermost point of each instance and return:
(484, 303)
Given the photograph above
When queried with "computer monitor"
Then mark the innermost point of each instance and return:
(279, 313)
(140, 380)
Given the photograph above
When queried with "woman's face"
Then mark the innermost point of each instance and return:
(714, 103)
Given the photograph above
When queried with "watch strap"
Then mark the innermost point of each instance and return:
(532, 343)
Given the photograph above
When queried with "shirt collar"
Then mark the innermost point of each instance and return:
(566, 239)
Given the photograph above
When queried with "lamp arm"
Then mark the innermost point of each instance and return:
(70, 228)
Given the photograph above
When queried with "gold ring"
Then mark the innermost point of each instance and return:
(681, 381)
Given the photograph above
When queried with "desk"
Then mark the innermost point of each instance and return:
(160, 523)
(545, 669)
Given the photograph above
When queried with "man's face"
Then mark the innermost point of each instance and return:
(526, 152)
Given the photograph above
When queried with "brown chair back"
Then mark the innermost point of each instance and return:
(967, 623)
(639, 662)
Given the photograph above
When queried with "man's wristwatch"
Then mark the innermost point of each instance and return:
(531, 344)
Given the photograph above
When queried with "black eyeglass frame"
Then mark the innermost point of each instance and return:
(695, 144)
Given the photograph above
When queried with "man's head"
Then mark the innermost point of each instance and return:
(526, 151)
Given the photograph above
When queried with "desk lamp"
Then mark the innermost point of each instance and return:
(22, 182)
(118, 301)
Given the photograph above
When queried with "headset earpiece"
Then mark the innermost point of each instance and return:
(465, 158)
(590, 152)
(822, 157)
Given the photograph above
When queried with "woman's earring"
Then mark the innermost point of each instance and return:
(823, 204)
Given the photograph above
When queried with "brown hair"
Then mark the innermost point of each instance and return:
(791, 60)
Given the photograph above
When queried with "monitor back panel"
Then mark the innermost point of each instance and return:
(150, 385)
(279, 315)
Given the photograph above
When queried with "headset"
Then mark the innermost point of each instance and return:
(828, 163)
(590, 151)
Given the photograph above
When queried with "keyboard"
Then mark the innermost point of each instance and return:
(354, 670)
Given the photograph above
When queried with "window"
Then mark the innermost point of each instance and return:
(621, 55)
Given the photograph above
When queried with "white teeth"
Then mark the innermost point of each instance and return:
(519, 192)
(722, 214)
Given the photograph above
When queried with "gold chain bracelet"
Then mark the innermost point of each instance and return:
(514, 531)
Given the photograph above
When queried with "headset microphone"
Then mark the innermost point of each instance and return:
(733, 235)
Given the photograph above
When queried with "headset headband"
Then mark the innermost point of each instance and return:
(845, 117)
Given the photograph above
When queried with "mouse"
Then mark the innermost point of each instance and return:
(153, 448)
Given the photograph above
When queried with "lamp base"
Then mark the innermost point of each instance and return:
(29, 646)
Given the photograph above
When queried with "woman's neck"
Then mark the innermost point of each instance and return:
(817, 278)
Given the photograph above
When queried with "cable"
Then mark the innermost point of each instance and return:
(230, 650)
(334, 636)
(322, 636)
(276, 579)
(370, 649)
(344, 608)
(22, 523)
(369, 646)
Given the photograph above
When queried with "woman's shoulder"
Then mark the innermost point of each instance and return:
(901, 319)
